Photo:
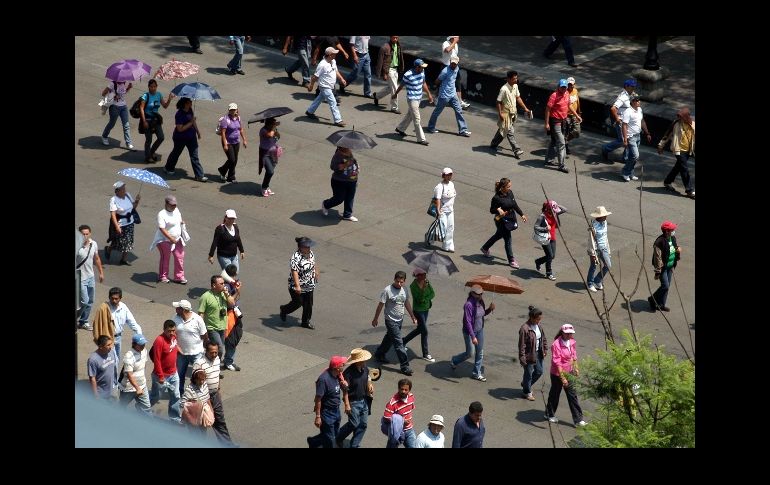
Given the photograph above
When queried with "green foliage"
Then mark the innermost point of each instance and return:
(646, 397)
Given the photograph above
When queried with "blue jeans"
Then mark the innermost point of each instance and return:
(182, 363)
(328, 95)
(465, 355)
(149, 147)
(422, 330)
(503, 233)
(225, 350)
(170, 384)
(393, 338)
(410, 440)
(631, 154)
(116, 111)
(342, 192)
(357, 423)
(661, 294)
(557, 146)
(330, 426)
(192, 149)
(364, 64)
(440, 104)
(550, 254)
(142, 402)
(303, 61)
(604, 256)
(235, 62)
(86, 299)
(532, 373)
(225, 260)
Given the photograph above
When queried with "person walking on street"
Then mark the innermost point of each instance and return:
(533, 348)
(549, 218)
(238, 42)
(151, 120)
(390, 63)
(447, 95)
(450, 49)
(682, 136)
(422, 294)
(303, 46)
(195, 43)
(598, 248)
(164, 374)
(326, 405)
(135, 387)
(414, 81)
(432, 437)
(556, 111)
(394, 298)
(227, 242)
(621, 104)
(121, 229)
(326, 73)
(169, 240)
(564, 370)
(303, 278)
(554, 44)
(234, 330)
(474, 314)
(359, 387)
(87, 256)
(231, 133)
(401, 404)
(633, 126)
(469, 430)
(102, 368)
(118, 108)
(209, 363)
(573, 126)
(444, 198)
(186, 134)
(344, 183)
(269, 151)
(191, 335)
(362, 62)
(507, 99)
(665, 254)
(121, 316)
(213, 309)
(505, 208)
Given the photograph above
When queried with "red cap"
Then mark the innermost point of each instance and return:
(337, 361)
(667, 226)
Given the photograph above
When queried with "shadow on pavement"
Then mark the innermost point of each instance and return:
(533, 417)
(638, 306)
(504, 393)
(528, 274)
(217, 71)
(316, 219)
(369, 107)
(149, 279)
(95, 142)
(136, 158)
(241, 188)
(283, 80)
(196, 292)
(307, 96)
(571, 286)
(274, 321)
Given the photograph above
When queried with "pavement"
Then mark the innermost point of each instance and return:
(269, 403)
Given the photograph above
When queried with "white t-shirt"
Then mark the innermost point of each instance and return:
(445, 56)
(426, 439)
(326, 72)
(87, 268)
(171, 222)
(134, 362)
(120, 95)
(445, 192)
(360, 43)
(634, 119)
(122, 206)
(189, 334)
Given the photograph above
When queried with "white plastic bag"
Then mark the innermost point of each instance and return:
(106, 102)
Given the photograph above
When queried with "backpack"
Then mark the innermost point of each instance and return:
(135, 108)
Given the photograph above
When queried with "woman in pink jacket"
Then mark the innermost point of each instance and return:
(563, 370)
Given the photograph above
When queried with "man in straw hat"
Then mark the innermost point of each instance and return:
(327, 403)
(359, 387)
(598, 247)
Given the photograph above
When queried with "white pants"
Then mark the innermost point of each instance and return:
(413, 115)
(390, 89)
(447, 221)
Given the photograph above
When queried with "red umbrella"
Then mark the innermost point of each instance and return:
(174, 69)
(496, 284)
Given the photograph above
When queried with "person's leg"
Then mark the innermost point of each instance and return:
(173, 157)
(220, 425)
(414, 107)
(410, 439)
(551, 47)
(307, 307)
(296, 302)
(229, 352)
(330, 425)
(338, 194)
(267, 163)
(440, 104)
(606, 260)
(182, 362)
(447, 221)
(148, 143)
(574, 404)
(192, 149)
(164, 247)
(113, 110)
(227, 166)
(558, 136)
(479, 357)
(174, 411)
(178, 255)
(353, 75)
(462, 126)
(591, 276)
(422, 327)
(526, 380)
(394, 328)
(304, 54)
(408, 117)
(550, 254)
(359, 417)
(631, 155)
(236, 148)
(617, 142)
(235, 62)
(661, 294)
(463, 356)
(159, 137)
(316, 103)
(349, 197)
(538, 370)
(155, 390)
(507, 244)
(142, 403)
(553, 396)
(123, 113)
(567, 43)
(511, 135)
(496, 139)
(499, 233)
(225, 260)
(393, 85)
(87, 287)
(328, 94)
(387, 342)
(366, 68)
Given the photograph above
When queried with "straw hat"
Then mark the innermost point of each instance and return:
(600, 212)
(358, 355)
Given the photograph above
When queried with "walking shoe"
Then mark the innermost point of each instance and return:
(308, 325)
(131, 147)
(396, 111)
(465, 104)
(599, 286)
(651, 301)
(465, 133)
(564, 169)
(691, 195)
(310, 115)
(86, 326)
(222, 173)
(626, 178)
(480, 378)
(282, 314)
(485, 252)
(231, 181)
(518, 153)
(233, 367)
(424, 142)
(592, 288)
(514, 264)
(168, 172)
(431, 130)
(269, 191)
(551, 277)
(537, 265)
(429, 358)
(265, 193)
(665, 308)
(401, 133)
(198, 51)
(581, 423)
(529, 397)
(376, 103)
(340, 124)
(241, 71)
(201, 179)
(350, 218)
(552, 419)
(290, 75)
(550, 163)
(634, 177)
(407, 371)
(324, 210)
(105, 141)
(156, 157)
(181, 281)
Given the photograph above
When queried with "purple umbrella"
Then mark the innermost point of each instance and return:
(128, 70)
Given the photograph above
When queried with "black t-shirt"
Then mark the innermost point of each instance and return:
(357, 380)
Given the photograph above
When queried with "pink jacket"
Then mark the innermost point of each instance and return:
(562, 357)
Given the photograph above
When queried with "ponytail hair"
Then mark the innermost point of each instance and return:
(500, 184)
(534, 312)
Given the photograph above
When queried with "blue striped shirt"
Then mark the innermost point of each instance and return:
(413, 82)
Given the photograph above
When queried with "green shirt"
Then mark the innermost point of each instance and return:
(210, 309)
(421, 297)
(394, 58)
(671, 254)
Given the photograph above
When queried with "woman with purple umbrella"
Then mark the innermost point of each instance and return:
(186, 134)
(118, 108)
(150, 103)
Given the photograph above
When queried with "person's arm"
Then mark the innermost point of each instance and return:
(243, 137)
(408, 306)
(547, 119)
(106, 90)
(489, 309)
(614, 111)
(522, 345)
(167, 101)
(452, 44)
(625, 134)
(130, 375)
(131, 321)
(223, 135)
(98, 263)
(317, 411)
(115, 223)
(353, 48)
(518, 210)
(427, 91)
(376, 319)
(238, 242)
(183, 127)
(142, 105)
(295, 277)
(580, 120)
(92, 380)
(341, 79)
(214, 244)
(342, 49)
(457, 435)
(313, 79)
(468, 319)
(520, 102)
(167, 235)
(646, 131)
(286, 44)
(135, 202)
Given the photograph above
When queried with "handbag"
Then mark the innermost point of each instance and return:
(432, 211)
(207, 416)
(541, 233)
(434, 233)
(137, 219)
(510, 224)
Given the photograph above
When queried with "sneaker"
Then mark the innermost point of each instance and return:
(181, 281)
(551, 277)
(324, 210)
(552, 419)
(407, 371)
(168, 172)
(198, 51)
(429, 358)
(105, 141)
(87, 326)
(308, 325)
(164, 280)
(222, 173)
(550, 163)
(592, 288)
(202, 179)
(465, 133)
(156, 157)
(310, 115)
(581, 423)
(537, 266)
(376, 102)
(691, 195)
(340, 124)
(396, 111)
(518, 153)
(350, 218)
(480, 378)
(290, 75)
(241, 71)
(465, 104)
(424, 142)
(434, 130)
(599, 286)
(265, 193)
(485, 252)
(232, 181)
(626, 178)
(400, 132)
(665, 308)
(131, 147)
(634, 177)
(233, 367)
(529, 397)
(669, 187)
(269, 191)
(563, 169)
(514, 264)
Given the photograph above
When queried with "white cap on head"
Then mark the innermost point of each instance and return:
(118, 184)
(231, 214)
(446, 171)
(232, 106)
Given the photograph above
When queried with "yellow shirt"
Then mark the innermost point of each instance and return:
(686, 141)
(574, 100)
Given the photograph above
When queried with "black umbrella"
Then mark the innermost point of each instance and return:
(355, 140)
(432, 262)
(270, 113)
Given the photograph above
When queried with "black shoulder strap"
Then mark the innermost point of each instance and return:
(90, 248)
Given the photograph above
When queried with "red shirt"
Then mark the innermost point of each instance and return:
(164, 356)
(559, 104)
(397, 406)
